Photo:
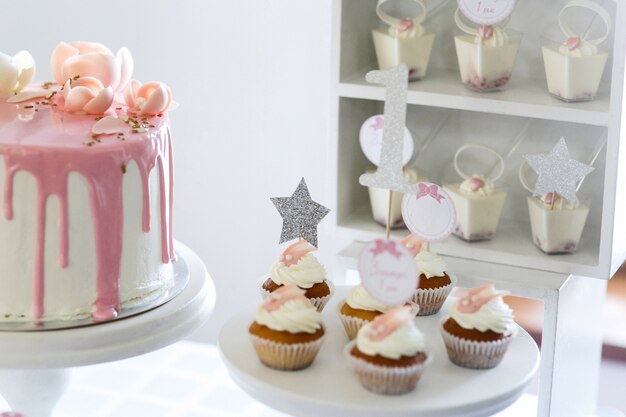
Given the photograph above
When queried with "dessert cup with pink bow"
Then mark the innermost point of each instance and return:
(405, 41)
(556, 223)
(574, 67)
(477, 200)
(486, 55)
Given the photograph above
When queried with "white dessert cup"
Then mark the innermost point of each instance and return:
(477, 216)
(556, 231)
(483, 67)
(386, 380)
(379, 201)
(411, 50)
(575, 78)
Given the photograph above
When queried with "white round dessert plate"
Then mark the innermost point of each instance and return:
(181, 278)
(330, 387)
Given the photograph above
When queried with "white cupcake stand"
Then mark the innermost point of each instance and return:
(329, 387)
(36, 366)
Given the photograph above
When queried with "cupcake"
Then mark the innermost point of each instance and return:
(479, 328)
(287, 332)
(298, 266)
(434, 284)
(360, 308)
(389, 354)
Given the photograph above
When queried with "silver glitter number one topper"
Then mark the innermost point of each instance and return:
(389, 174)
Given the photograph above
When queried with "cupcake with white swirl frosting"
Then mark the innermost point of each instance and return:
(360, 308)
(479, 328)
(389, 354)
(297, 265)
(287, 332)
(434, 283)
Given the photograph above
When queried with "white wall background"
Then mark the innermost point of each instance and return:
(252, 77)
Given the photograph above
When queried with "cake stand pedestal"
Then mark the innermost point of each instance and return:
(35, 367)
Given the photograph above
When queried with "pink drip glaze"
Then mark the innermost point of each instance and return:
(52, 145)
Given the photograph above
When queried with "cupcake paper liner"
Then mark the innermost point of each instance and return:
(352, 324)
(430, 300)
(474, 354)
(286, 356)
(385, 379)
(318, 302)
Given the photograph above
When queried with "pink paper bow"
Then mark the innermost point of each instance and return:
(572, 43)
(485, 32)
(283, 294)
(378, 124)
(295, 252)
(406, 24)
(478, 297)
(383, 246)
(11, 414)
(429, 190)
(387, 323)
(413, 244)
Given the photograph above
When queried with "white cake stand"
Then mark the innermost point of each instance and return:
(330, 388)
(35, 366)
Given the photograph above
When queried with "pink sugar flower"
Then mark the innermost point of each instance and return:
(148, 99)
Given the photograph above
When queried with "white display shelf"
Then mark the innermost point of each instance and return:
(329, 387)
(441, 96)
(512, 245)
(525, 97)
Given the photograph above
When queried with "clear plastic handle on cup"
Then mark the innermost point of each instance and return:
(522, 178)
(473, 30)
(594, 7)
(483, 148)
(399, 23)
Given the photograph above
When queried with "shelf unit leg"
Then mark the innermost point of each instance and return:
(33, 392)
(571, 348)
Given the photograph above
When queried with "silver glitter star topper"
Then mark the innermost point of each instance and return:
(557, 172)
(300, 214)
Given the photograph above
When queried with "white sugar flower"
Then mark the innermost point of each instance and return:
(15, 72)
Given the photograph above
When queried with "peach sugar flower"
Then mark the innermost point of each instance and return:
(90, 74)
(148, 99)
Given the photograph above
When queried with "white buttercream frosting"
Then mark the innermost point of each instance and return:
(295, 316)
(497, 38)
(430, 264)
(495, 315)
(487, 189)
(359, 298)
(584, 49)
(406, 340)
(305, 273)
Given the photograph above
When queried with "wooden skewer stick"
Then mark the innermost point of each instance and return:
(389, 215)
